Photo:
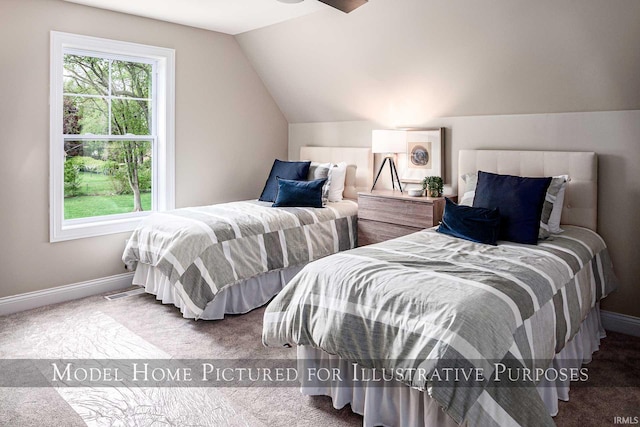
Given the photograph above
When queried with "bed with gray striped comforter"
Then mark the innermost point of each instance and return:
(432, 301)
(204, 249)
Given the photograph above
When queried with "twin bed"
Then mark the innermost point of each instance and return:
(430, 303)
(233, 257)
(425, 304)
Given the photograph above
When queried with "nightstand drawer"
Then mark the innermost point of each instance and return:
(370, 232)
(384, 215)
(399, 212)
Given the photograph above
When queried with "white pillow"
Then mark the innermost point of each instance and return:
(553, 223)
(321, 171)
(313, 170)
(337, 175)
(471, 181)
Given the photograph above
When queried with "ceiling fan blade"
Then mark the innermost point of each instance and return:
(345, 5)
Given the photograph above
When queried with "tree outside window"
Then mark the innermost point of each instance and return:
(108, 135)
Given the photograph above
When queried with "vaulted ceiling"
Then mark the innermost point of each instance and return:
(225, 16)
(401, 62)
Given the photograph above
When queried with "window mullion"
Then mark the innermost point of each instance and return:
(109, 97)
(85, 137)
(84, 95)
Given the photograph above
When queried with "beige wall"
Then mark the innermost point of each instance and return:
(497, 75)
(614, 135)
(226, 122)
(400, 62)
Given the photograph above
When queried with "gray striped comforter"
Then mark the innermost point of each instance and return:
(432, 301)
(204, 249)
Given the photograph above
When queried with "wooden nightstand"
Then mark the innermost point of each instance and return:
(386, 214)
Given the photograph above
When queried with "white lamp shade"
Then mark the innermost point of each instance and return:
(389, 141)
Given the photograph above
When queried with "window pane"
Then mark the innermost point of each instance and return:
(85, 115)
(86, 75)
(106, 178)
(130, 117)
(130, 79)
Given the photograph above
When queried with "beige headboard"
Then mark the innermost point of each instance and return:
(359, 172)
(581, 197)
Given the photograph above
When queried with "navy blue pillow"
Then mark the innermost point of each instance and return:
(299, 193)
(519, 200)
(284, 170)
(479, 225)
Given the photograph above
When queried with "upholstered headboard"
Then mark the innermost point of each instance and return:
(581, 197)
(359, 172)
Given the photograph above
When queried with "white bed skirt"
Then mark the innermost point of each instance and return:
(387, 404)
(237, 298)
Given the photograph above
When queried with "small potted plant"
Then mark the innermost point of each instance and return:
(433, 185)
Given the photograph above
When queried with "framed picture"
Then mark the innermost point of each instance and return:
(424, 155)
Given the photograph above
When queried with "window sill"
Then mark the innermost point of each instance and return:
(80, 229)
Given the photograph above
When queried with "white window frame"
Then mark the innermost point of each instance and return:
(163, 163)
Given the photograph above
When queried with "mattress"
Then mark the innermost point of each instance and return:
(198, 252)
(427, 302)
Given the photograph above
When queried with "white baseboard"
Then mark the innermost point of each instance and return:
(30, 300)
(622, 323)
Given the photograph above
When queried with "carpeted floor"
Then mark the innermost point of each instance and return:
(144, 327)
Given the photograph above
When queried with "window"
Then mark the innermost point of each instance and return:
(112, 135)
